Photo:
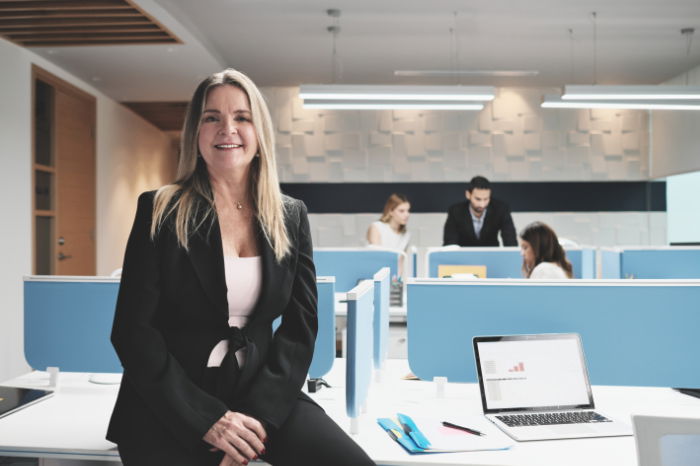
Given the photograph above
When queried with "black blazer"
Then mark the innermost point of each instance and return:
(459, 228)
(172, 310)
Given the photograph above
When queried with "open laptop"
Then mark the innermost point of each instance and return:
(535, 387)
(13, 398)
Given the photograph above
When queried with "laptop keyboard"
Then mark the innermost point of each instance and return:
(544, 419)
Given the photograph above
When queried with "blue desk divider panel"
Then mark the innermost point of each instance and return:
(359, 346)
(504, 262)
(582, 262)
(68, 322)
(413, 256)
(324, 350)
(634, 332)
(500, 262)
(350, 265)
(669, 262)
(382, 283)
(610, 261)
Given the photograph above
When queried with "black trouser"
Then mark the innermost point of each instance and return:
(308, 437)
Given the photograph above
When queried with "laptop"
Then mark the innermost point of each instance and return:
(13, 398)
(535, 387)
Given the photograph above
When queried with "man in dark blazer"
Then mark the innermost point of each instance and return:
(477, 221)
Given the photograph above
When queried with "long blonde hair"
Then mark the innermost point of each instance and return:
(190, 198)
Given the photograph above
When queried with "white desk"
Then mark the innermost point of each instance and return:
(419, 398)
(72, 424)
(69, 425)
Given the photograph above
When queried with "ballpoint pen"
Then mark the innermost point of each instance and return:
(466, 429)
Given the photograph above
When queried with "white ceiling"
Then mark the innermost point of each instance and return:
(285, 43)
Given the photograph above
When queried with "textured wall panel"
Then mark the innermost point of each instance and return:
(511, 139)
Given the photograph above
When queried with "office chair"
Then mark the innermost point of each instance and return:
(667, 441)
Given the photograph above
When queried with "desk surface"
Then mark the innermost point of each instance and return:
(72, 423)
(419, 398)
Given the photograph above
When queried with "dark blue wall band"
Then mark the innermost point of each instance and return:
(605, 196)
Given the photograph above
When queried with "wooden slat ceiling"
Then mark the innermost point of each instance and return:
(56, 23)
(168, 116)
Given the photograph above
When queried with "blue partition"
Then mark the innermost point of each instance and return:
(324, 350)
(413, 255)
(610, 261)
(350, 265)
(583, 262)
(634, 332)
(360, 346)
(670, 262)
(68, 322)
(382, 283)
(504, 262)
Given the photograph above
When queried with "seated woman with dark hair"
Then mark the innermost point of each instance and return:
(543, 256)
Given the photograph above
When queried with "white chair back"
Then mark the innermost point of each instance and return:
(667, 441)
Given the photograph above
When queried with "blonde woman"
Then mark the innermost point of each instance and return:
(211, 261)
(390, 230)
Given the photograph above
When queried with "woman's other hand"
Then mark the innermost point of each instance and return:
(239, 436)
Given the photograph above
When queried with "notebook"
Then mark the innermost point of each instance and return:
(535, 387)
(13, 399)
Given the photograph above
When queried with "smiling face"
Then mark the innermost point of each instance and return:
(227, 139)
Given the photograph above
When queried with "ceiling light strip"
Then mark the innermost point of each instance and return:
(331, 104)
(659, 92)
(442, 73)
(557, 102)
(396, 93)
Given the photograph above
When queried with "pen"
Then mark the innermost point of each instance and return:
(466, 429)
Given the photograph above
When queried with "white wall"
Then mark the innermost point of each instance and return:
(585, 228)
(682, 194)
(676, 135)
(132, 156)
(15, 202)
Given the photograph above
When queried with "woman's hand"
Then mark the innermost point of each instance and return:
(239, 436)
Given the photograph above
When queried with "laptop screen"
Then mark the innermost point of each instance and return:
(532, 372)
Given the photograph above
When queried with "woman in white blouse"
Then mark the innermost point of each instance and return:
(390, 230)
(543, 256)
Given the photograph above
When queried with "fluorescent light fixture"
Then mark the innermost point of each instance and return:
(448, 73)
(659, 92)
(552, 101)
(393, 105)
(340, 96)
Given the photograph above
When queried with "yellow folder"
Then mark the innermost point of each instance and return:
(449, 270)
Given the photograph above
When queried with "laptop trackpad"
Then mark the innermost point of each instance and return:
(567, 429)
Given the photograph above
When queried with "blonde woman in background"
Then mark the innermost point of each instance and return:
(390, 230)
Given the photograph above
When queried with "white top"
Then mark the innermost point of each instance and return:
(548, 270)
(243, 281)
(391, 239)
